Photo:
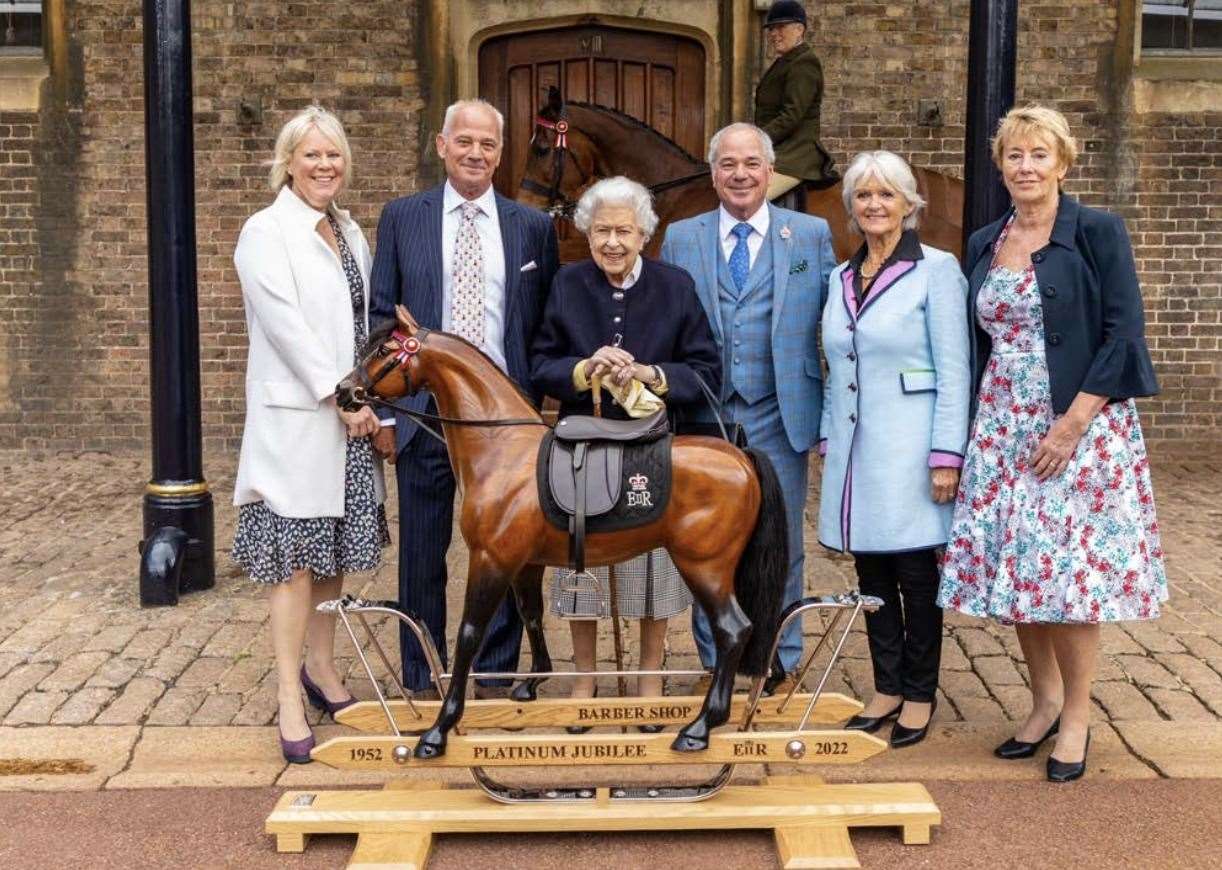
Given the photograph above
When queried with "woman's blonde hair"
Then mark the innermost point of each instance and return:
(1039, 121)
(297, 128)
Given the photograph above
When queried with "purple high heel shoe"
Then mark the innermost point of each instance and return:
(318, 700)
(296, 751)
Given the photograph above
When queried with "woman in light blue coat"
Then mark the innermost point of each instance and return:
(894, 429)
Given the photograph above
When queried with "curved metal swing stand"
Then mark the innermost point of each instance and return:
(810, 818)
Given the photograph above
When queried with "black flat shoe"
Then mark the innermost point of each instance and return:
(1068, 771)
(650, 729)
(870, 724)
(902, 735)
(1014, 749)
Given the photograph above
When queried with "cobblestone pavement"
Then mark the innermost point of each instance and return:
(76, 648)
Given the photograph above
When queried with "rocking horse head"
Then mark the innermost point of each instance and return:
(562, 161)
(391, 366)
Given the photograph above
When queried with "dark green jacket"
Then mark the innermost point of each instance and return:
(787, 104)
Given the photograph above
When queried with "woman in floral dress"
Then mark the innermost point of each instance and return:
(309, 490)
(1054, 528)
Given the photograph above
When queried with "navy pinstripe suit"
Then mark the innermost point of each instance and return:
(407, 270)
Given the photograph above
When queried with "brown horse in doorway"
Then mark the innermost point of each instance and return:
(596, 142)
(724, 524)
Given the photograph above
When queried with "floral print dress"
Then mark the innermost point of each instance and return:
(1080, 547)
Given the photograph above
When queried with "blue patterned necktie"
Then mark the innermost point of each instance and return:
(740, 257)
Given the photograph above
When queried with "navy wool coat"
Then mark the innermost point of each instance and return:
(659, 318)
(1094, 325)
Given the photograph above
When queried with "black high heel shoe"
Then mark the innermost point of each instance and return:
(1014, 749)
(870, 724)
(582, 729)
(1068, 771)
(902, 735)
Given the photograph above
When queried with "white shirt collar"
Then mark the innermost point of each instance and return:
(758, 221)
(486, 200)
(298, 210)
(634, 274)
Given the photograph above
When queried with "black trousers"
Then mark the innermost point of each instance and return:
(906, 632)
(426, 521)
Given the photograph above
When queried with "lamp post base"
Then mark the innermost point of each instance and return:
(177, 549)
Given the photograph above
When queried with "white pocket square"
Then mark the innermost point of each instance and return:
(529, 267)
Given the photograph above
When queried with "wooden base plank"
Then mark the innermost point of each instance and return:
(368, 752)
(737, 807)
(810, 820)
(406, 850)
(368, 716)
(800, 847)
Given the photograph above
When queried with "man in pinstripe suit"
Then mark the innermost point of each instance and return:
(464, 259)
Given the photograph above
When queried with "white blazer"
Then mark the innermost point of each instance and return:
(299, 318)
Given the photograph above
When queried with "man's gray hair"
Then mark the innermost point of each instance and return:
(617, 191)
(893, 171)
(454, 108)
(765, 141)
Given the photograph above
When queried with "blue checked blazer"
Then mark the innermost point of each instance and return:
(802, 260)
(407, 270)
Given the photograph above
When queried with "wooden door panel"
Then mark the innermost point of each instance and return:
(656, 78)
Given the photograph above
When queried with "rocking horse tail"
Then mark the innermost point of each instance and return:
(759, 581)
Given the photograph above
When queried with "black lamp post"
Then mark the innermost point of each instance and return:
(991, 58)
(177, 550)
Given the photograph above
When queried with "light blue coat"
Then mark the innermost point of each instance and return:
(802, 260)
(896, 403)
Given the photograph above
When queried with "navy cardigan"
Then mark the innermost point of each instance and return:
(661, 322)
(1094, 324)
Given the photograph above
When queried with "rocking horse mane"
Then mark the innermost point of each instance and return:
(631, 122)
(508, 380)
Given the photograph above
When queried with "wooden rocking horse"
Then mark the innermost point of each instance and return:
(723, 525)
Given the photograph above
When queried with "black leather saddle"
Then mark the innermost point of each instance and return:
(584, 463)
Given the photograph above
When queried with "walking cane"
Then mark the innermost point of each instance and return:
(596, 384)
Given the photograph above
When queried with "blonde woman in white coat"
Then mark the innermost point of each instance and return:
(309, 491)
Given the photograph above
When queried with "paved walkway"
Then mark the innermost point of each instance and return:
(144, 696)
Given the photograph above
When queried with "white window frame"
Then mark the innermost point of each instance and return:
(24, 7)
(1176, 10)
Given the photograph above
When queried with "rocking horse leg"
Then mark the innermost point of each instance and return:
(528, 591)
(731, 629)
(486, 587)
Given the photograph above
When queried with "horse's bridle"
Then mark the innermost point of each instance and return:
(559, 205)
(408, 346)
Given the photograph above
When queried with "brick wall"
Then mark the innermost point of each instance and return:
(73, 269)
(72, 204)
(1162, 173)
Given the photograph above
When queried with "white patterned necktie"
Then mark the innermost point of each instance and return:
(467, 269)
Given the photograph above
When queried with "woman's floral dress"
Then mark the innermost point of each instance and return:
(1080, 547)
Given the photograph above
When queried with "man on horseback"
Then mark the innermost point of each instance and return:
(761, 274)
(464, 259)
(788, 101)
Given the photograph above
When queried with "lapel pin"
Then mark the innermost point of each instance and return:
(785, 234)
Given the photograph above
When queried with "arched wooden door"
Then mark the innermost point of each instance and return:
(657, 78)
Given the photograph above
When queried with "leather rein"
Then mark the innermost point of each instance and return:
(409, 346)
(559, 205)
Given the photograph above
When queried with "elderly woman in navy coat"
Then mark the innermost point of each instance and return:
(1054, 530)
(894, 427)
(637, 325)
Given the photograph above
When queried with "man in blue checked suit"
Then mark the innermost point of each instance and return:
(464, 259)
(761, 273)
